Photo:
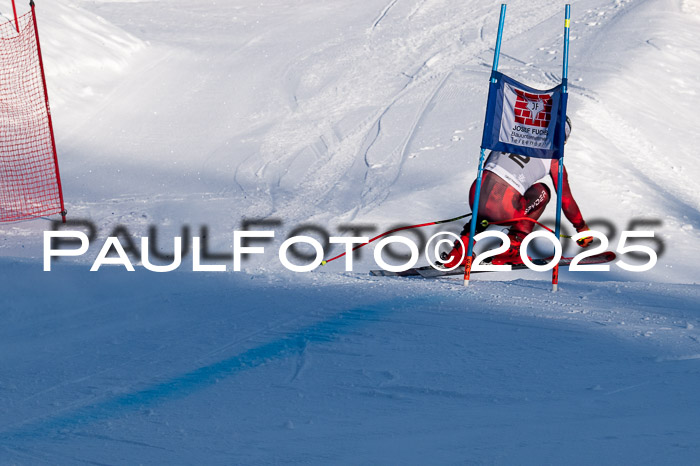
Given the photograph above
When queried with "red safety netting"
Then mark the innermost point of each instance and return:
(29, 179)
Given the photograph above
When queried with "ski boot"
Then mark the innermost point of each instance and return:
(512, 255)
(455, 257)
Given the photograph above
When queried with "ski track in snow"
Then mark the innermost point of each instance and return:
(441, 56)
(384, 13)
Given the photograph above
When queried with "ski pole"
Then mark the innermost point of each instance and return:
(394, 231)
(486, 223)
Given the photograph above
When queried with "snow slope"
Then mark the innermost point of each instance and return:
(228, 369)
(364, 113)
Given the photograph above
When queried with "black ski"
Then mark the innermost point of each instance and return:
(431, 272)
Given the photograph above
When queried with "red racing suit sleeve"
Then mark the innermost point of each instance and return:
(568, 204)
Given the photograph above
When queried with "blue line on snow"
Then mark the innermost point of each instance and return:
(197, 379)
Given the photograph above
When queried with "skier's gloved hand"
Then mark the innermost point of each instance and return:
(586, 240)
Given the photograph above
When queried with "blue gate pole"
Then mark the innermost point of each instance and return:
(482, 158)
(562, 130)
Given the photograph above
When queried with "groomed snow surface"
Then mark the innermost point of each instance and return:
(334, 113)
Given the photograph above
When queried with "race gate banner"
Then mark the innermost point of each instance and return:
(523, 120)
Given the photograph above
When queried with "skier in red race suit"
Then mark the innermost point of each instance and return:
(510, 189)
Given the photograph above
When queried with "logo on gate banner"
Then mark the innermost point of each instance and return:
(527, 118)
(523, 120)
(533, 109)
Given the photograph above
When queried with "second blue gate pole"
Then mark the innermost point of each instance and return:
(482, 158)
